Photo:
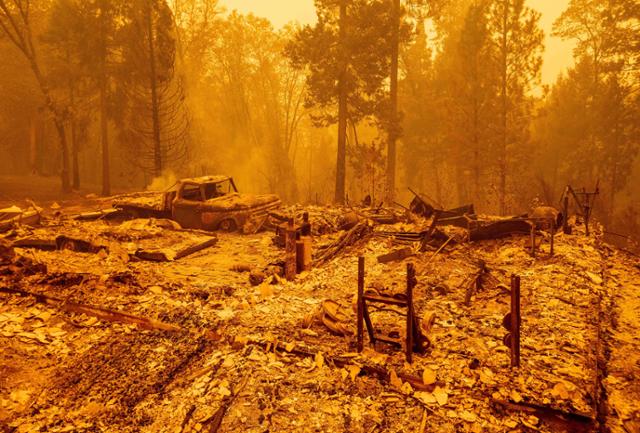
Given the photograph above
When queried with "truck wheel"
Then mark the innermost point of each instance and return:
(227, 225)
(68, 244)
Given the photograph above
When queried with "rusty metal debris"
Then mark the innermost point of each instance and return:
(478, 281)
(455, 216)
(584, 201)
(414, 341)
(512, 321)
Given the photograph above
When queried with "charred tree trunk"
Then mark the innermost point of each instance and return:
(75, 170)
(64, 174)
(58, 121)
(155, 110)
(104, 119)
(393, 93)
(75, 166)
(341, 166)
(19, 33)
(502, 168)
(476, 135)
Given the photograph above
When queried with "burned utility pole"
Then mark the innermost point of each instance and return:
(341, 164)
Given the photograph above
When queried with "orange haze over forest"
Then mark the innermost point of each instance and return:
(558, 53)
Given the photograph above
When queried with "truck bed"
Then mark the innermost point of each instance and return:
(148, 201)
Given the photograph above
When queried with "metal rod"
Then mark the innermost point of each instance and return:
(515, 321)
(360, 303)
(411, 281)
(553, 233)
(565, 219)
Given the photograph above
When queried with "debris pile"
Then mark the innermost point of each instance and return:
(215, 341)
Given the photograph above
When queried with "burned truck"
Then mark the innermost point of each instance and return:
(208, 203)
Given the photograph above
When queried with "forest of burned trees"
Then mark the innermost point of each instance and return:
(377, 95)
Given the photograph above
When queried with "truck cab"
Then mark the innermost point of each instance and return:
(213, 203)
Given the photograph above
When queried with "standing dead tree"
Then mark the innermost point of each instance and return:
(155, 121)
(16, 25)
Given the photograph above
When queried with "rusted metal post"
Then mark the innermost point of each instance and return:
(360, 303)
(411, 281)
(515, 321)
(290, 251)
(587, 214)
(565, 210)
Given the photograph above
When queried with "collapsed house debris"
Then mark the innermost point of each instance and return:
(217, 342)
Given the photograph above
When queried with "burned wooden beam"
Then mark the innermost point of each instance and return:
(162, 256)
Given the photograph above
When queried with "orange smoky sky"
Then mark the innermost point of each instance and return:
(558, 53)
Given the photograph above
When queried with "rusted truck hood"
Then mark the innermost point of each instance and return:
(237, 201)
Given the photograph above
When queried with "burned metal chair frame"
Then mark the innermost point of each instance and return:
(415, 341)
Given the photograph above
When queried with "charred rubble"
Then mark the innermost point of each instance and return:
(317, 318)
